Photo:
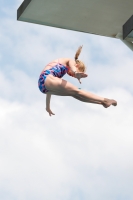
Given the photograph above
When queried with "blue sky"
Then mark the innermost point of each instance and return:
(84, 151)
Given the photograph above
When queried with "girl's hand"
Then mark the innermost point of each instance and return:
(80, 75)
(49, 111)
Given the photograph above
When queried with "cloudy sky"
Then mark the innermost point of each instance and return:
(84, 152)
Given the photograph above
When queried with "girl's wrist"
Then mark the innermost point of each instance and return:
(48, 106)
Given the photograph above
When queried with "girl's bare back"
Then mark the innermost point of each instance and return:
(63, 61)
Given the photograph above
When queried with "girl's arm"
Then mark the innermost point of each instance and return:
(48, 97)
(72, 71)
(72, 66)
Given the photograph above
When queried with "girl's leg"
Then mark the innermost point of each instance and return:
(85, 96)
(84, 100)
(57, 86)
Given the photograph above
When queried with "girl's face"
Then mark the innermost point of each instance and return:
(77, 67)
(80, 67)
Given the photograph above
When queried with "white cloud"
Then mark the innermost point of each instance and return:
(84, 148)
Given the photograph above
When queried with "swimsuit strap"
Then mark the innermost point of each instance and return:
(56, 63)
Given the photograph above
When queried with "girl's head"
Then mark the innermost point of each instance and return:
(79, 64)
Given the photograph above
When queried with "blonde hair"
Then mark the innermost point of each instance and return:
(82, 67)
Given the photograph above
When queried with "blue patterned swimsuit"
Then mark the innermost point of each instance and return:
(58, 70)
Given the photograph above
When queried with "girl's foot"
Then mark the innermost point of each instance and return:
(109, 102)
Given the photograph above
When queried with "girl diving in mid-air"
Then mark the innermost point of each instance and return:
(51, 82)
